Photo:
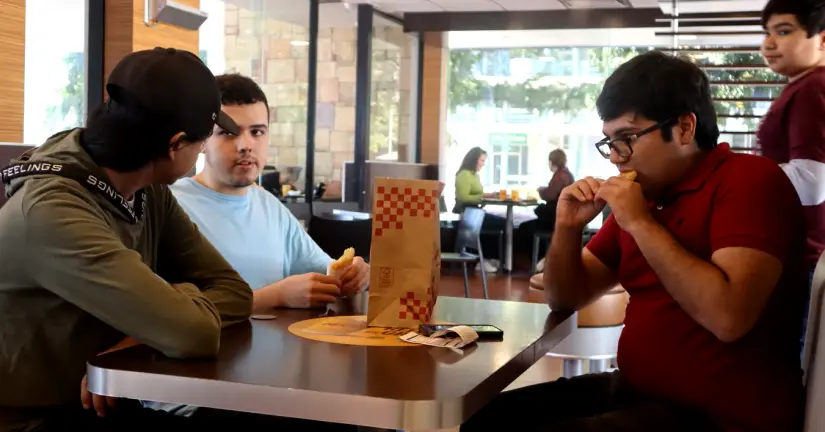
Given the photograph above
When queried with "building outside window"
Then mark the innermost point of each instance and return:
(55, 68)
(519, 104)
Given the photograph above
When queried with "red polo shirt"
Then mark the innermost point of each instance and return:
(754, 383)
(794, 128)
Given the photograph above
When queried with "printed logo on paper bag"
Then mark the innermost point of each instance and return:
(392, 203)
(386, 277)
(415, 308)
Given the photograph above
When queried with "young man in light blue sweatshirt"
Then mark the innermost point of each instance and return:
(249, 226)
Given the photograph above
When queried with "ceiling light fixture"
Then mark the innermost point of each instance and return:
(299, 43)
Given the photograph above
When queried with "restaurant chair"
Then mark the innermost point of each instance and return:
(335, 233)
(468, 238)
(813, 370)
(541, 235)
(442, 208)
(538, 237)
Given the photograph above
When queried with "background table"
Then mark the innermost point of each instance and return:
(262, 368)
(507, 259)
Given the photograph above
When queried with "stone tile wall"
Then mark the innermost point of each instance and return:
(263, 48)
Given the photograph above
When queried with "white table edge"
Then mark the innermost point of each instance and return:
(357, 410)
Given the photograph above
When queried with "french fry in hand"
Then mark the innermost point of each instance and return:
(338, 268)
(344, 261)
(630, 175)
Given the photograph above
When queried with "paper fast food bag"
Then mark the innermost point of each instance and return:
(405, 256)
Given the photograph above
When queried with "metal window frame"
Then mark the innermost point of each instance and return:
(363, 90)
(95, 84)
(95, 50)
(312, 89)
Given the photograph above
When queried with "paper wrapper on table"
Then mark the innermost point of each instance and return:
(405, 256)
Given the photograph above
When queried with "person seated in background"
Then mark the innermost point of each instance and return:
(251, 228)
(469, 192)
(546, 213)
(562, 177)
(104, 257)
(707, 242)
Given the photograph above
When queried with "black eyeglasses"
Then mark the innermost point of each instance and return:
(622, 145)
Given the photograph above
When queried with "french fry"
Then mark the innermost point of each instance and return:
(630, 175)
(344, 261)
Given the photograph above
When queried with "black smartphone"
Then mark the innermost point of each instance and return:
(485, 331)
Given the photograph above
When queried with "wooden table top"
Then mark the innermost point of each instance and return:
(263, 368)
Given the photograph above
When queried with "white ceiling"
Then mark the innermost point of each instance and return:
(344, 14)
(403, 6)
(330, 15)
(593, 38)
(693, 6)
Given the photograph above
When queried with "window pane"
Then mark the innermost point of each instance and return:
(55, 93)
(335, 112)
(390, 97)
(513, 164)
(265, 43)
(497, 170)
(524, 159)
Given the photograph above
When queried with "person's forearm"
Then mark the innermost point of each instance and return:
(469, 198)
(552, 192)
(232, 299)
(267, 298)
(700, 288)
(565, 277)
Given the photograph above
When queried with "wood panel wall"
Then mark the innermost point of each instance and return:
(126, 32)
(433, 103)
(12, 69)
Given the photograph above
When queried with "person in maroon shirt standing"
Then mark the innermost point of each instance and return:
(792, 133)
(707, 242)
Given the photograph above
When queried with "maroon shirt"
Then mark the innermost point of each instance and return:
(754, 383)
(560, 180)
(794, 128)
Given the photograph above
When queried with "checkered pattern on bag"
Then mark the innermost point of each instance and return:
(415, 308)
(394, 204)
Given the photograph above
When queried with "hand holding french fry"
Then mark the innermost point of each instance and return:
(352, 271)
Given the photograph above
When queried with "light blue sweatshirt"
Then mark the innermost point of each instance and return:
(259, 237)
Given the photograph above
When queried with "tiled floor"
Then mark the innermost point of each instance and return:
(499, 286)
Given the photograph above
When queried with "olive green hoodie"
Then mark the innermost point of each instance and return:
(77, 275)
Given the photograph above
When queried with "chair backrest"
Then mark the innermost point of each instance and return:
(334, 236)
(814, 370)
(469, 230)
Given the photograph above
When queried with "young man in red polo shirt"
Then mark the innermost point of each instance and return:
(793, 131)
(707, 242)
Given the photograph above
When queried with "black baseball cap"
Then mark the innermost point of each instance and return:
(172, 87)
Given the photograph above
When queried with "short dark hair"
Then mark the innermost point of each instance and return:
(118, 139)
(558, 158)
(809, 13)
(237, 89)
(661, 87)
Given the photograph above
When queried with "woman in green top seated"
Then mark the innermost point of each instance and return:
(469, 193)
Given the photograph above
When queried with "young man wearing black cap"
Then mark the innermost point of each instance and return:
(97, 249)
